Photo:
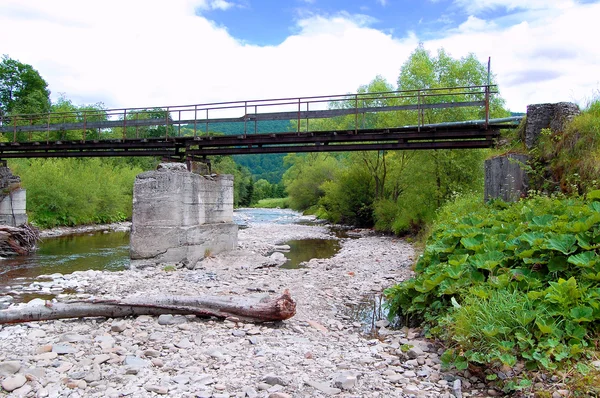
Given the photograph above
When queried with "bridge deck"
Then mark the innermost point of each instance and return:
(92, 133)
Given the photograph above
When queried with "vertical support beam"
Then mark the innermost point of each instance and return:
(124, 124)
(167, 124)
(195, 120)
(245, 118)
(355, 113)
(299, 100)
(487, 94)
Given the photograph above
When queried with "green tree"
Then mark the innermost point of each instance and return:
(22, 89)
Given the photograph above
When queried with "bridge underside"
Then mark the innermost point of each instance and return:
(456, 136)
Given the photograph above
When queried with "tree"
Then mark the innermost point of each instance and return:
(22, 89)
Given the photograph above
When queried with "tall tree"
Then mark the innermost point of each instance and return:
(22, 89)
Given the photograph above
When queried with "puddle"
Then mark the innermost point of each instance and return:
(307, 249)
(368, 310)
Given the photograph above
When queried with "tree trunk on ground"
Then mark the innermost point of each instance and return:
(18, 240)
(244, 308)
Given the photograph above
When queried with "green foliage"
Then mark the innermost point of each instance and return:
(22, 89)
(571, 156)
(243, 186)
(506, 283)
(273, 203)
(305, 177)
(397, 192)
(76, 191)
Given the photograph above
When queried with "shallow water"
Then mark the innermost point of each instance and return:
(307, 249)
(97, 251)
(110, 252)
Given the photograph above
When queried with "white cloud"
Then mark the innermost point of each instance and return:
(382, 3)
(476, 6)
(216, 5)
(150, 53)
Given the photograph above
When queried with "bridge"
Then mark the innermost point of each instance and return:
(361, 122)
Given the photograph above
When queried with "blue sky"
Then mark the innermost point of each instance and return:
(139, 53)
(265, 22)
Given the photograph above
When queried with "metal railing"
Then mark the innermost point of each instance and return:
(145, 122)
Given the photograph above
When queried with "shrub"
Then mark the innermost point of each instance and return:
(510, 282)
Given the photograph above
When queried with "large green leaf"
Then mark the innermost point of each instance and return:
(582, 314)
(557, 264)
(584, 259)
(533, 238)
(473, 243)
(594, 195)
(564, 243)
(543, 220)
(487, 260)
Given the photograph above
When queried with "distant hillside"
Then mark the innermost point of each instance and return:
(269, 166)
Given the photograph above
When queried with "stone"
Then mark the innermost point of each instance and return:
(64, 349)
(9, 367)
(250, 392)
(238, 333)
(100, 359)
(157, 389)
(168, 319)
(345, 381)
(152, 353)
(22, 391)
(457, 388)
(46, 356)
(323, 387)
(552, 116)
(410, 389)
(274, 379)
(184, 343)
(118, 327)
(14, 382)
(135, 362)
(414, 352)
(596, 364)
(36, 334)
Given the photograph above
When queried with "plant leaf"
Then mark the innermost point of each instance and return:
(563, 243)
(583, 259)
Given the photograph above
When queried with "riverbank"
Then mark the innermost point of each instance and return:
(322, 351)
(85, 229)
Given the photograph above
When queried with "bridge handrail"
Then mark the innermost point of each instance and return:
(172, 114)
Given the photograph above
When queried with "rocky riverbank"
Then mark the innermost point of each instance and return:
(323, 351)
(85, 229)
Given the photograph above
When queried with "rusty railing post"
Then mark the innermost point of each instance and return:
(124, 124)
(299, 104)
(255, 119)
(245, 118)
(84, 125)
(195, 120)
(167, 124)
(355, 113)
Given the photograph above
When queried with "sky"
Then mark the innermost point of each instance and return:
(141, 53)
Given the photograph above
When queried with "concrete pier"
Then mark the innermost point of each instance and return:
(181, 217)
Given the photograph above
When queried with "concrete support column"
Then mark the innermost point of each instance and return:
(180, 216)
(505, 178)
(13, 199)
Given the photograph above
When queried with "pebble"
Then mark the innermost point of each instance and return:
(322, 351)
(13, 382)
(9, 367)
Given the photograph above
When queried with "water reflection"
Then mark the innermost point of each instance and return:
(307, 249)
(98, 251)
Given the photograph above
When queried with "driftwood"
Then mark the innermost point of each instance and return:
(244, 308)
(18, 240)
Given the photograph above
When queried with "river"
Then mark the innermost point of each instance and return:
(110, 252)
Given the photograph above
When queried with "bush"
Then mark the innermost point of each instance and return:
(76, 191)
(272, 203)
(510, 283)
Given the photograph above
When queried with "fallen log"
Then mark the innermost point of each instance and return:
(254, 309)
(18, 240)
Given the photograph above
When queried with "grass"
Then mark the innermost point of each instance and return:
(273, 203)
